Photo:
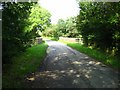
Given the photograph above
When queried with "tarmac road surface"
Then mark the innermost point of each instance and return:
(65, 67)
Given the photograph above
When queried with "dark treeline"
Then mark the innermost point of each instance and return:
(99, 25)
(21, 22)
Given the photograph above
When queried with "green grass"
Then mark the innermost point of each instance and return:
(26, 63)
(66, 42)
(111, 61)
(51, 38)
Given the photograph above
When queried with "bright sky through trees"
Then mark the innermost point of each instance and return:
(60, 8)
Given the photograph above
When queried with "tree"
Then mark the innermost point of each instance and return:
(67, 28)
(19, 26)
(39, 18)
(61, 27)
(98, 23)
(71, 30)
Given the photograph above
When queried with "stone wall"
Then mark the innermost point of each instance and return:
(38, 40)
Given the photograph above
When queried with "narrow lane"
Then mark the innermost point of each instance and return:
(65, 67)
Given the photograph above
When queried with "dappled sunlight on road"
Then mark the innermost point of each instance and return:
(88, 78)
(68, 68)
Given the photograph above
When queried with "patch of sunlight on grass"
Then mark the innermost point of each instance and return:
(25, 63)
(65, 42)
(108, 61)
(51, 38)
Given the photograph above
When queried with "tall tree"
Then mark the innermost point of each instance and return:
(19, 28)
(98, 22)
(67, 28)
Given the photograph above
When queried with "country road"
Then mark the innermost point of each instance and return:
(65, 67)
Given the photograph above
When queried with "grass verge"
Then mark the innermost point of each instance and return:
(27, 62)
(51, 38)
(111, 61)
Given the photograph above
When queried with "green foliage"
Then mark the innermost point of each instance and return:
(20, 23)
(39, 18)
(50, 31)
(61, 27)
(13, 23)
(99, 25)
(25, 63)
(67, 28)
